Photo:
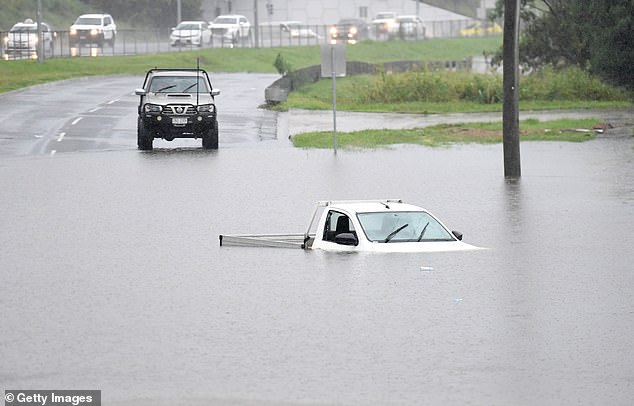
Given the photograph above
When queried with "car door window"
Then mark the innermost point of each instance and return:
(337, 223)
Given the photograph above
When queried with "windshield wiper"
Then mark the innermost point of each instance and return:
(189, 87)
(420, 237)
(165, 88)
(393, 233)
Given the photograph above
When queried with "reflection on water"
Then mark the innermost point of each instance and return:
(113, 278)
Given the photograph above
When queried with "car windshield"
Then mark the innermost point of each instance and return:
(348, 22)
(384, 16)
(25, 28)
(178, 84)
(403, 226)
(188, 27)
(88, 21)
(225, 20)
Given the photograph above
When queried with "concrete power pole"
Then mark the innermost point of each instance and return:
(510, 115)
(256, 24)
(40, 43)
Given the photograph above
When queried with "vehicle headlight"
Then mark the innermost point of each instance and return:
(152, 108)
(353, 30)
(206, 108)
(94, 32)
(73, 31)
(333, 30)
(5, 40)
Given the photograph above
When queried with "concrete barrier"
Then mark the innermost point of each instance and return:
(278, 91)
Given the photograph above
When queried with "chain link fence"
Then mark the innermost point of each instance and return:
(57, 44)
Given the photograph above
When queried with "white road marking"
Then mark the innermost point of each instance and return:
(61, 137)
(113, 101)
(76, 121)
(93, 110)
(53, 152)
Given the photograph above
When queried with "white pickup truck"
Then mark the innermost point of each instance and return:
(364, 225)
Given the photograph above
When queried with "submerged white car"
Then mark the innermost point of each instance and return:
(365, 225)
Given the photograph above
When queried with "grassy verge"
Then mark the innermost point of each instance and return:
(449, 92)
(18, 74)
(447, 134)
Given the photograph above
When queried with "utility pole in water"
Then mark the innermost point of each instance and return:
(510, 115)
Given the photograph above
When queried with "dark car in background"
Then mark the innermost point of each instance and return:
(349, 30)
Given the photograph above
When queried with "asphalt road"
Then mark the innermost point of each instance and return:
(99, 113)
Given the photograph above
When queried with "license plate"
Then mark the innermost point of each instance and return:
(179, 120)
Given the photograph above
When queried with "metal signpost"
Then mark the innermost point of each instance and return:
(333, 65)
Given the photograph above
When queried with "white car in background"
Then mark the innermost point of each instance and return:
(384, 23)
(22, 41)
(295, 29)
(230, 28)
(190, 33)
(93, 29)
(409, 27)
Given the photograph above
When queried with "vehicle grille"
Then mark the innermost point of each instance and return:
(218, 31)
(179, 110)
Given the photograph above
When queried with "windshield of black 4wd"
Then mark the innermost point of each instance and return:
(178, 84)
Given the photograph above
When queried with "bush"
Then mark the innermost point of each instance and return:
(446, 86)
(571, 83)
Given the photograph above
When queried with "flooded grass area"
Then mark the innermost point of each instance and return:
(113, 277)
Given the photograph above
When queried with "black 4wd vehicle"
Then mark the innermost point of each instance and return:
(177, 103)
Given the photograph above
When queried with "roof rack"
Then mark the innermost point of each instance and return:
(324, 203)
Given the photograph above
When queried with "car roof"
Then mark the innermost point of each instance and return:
(192, 22)
(94, 15)
(230, 15)
(16, 25)
(371, 206)
(179, 72)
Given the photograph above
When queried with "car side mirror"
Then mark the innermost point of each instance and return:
(346, 239)
(215, 92)
(457, 234)
(140, 92)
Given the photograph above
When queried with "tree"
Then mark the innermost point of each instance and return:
(612, 55)
(595, 35)
(157, 13)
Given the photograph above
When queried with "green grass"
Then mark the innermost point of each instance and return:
(447, 134)
(18, 74)
(449, 92)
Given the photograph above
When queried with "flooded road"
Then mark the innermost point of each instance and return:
(113, 278)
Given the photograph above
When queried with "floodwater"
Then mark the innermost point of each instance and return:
(113, 278)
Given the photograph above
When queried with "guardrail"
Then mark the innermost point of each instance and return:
(134, 42)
